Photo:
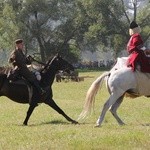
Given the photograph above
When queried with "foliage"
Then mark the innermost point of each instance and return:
(8, 28)
(144, 18)
(49, 26)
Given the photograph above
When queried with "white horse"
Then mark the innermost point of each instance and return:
(120, 80)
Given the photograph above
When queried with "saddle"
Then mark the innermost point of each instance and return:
(14, 77)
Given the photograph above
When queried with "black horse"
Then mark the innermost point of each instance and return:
(24, 93)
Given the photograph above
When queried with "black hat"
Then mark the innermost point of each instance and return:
(18, 41)
(133, 25)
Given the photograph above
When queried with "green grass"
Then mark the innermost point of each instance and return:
(48, 130)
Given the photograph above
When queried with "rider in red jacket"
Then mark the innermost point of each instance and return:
(137, 50)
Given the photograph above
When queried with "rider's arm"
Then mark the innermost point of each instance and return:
(29, 59)
(19, 59)
(11, 58)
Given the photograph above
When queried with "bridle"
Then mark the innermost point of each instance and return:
(46, 65)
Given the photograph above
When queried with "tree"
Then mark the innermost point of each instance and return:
(70, 26)
(109, 22)
(8, 28)
(50, 23)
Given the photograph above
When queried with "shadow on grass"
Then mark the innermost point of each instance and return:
(146, 124)
(54, 122)
(87, 76)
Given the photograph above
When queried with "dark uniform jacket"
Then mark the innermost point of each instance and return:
(20, 62)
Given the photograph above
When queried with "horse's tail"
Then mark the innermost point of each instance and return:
(90, 96)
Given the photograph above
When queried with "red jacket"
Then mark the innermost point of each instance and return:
(137, 56)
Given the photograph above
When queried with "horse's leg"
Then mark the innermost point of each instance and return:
(114, 108)
(112, 99)
(52, 104)
(29, 112)
(32, 106)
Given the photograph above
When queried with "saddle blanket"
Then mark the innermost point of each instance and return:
(143, 83)
(143, 79)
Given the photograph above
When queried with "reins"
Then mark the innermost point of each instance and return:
(39, 62)
(46, 65)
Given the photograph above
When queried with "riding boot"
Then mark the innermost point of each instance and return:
(37, 86)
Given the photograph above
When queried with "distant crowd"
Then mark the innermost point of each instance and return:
(94, 64)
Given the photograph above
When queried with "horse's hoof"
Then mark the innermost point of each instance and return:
(75, 122)
(122, 124)
(25, 124)
(97, 126)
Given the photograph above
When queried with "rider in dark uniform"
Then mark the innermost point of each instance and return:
(20, 62)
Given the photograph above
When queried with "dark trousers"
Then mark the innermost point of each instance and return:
(35, 83)
(28, 75)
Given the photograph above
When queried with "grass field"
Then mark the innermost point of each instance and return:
(48, 130)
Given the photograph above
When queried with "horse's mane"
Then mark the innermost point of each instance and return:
(48, 63)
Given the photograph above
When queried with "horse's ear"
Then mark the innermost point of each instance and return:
(58, 55)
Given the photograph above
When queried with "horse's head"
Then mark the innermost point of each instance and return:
(52, 67)
(58, 63)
